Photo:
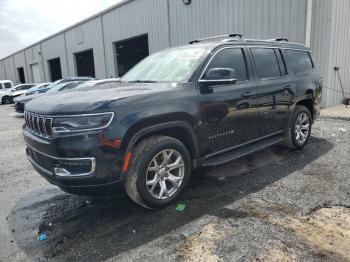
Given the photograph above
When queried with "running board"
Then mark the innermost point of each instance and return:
(241, 151)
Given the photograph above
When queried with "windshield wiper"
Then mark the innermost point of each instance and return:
(142, 81)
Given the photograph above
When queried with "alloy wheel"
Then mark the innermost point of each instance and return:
(165, 174)
(302, 128)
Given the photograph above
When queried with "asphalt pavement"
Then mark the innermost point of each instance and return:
(273, 205)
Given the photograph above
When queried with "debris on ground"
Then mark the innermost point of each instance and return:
(180, 207)
(42, 237)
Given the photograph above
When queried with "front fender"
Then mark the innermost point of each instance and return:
(129, 145)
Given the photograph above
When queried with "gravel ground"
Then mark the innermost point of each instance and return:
(274, 205)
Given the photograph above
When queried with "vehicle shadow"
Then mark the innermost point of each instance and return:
(85, 228)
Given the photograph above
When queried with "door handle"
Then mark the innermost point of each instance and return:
(247, 94)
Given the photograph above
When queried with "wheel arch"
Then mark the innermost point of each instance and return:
(308, 102)
(4, 96)
(179, 130)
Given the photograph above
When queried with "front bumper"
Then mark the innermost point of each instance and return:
(61, 167)
(19, 107)
(74, 162)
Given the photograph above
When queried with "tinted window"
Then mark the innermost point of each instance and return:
(232, 58)
(266, 62)
(26, 87)
(281, 63)
(8, 85)
(300, 61)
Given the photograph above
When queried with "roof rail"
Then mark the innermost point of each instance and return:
(279, 40)
(240, 36)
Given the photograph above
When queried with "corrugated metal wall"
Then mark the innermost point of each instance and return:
(9, 69)
(133, 19)
(167, 23)
(33, 56)
(321, 40)
(339, 52)
(2, 70)
(84, 37)
(54, 48)
(171, 23)
(20, 61)
(254, 18)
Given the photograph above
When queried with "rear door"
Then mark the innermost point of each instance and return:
(306, 76)
(228, 111)
(276, 89)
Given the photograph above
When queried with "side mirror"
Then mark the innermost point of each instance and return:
(220, 76)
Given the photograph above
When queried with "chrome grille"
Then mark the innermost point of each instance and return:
(38, 124)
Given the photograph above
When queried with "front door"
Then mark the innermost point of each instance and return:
(228, 111)
(276, 90)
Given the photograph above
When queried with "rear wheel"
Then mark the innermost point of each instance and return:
(6, 100)
(299, 130)
(158, 172)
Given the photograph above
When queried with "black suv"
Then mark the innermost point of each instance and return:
(198, 105)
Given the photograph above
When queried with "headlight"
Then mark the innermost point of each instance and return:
(78, 123)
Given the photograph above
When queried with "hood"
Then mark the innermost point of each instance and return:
(5, 92)
(17, 93)
(28, 97)
(94, 99)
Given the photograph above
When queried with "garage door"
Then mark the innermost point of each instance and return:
(35, 73)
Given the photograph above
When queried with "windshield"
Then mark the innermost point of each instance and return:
(172, 65)
(64, 86)
(56, 88)
(87, 84)
(34, 88)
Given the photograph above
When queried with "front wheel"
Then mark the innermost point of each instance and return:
(6, 100)
(299, 130)
(159, 171)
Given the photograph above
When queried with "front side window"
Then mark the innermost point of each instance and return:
(266, 63)
(231, 58)
(300, 61)
(26, 87)
(172, 65)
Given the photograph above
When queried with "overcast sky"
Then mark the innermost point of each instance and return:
(23, 22)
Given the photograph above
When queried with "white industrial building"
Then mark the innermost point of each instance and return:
(110, 42)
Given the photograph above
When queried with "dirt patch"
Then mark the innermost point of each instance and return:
(202, 245)
(325, 231)
(326, 228)
(276, 254)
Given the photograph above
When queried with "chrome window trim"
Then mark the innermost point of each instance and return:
(92, 159)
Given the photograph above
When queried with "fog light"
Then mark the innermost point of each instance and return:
(59, 171)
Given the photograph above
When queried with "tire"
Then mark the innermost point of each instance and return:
(143, 168)
(292, 139)
(7, 100)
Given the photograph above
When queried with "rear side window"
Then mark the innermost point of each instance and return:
(232, 58)
(300, 61)
(267, 62)
(26, 87)
(8, 85)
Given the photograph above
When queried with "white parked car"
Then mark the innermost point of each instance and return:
(5, 85)
(7, 96)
